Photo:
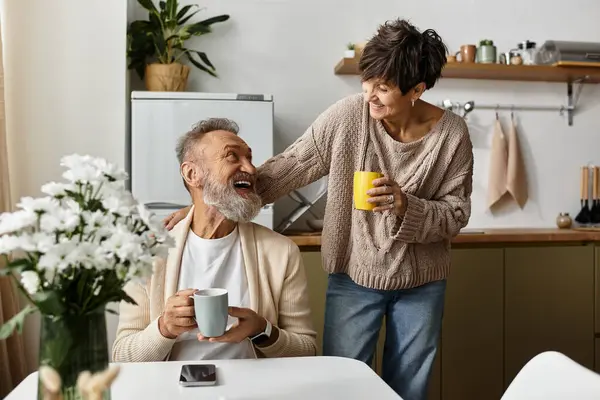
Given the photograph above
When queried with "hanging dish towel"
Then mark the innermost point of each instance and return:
(516, 178)
(498, 166)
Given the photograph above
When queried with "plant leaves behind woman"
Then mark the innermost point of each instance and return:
(162, 37)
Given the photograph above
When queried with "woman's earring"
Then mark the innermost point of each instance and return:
(413, 102)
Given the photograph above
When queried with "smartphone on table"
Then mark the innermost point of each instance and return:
(198, 375)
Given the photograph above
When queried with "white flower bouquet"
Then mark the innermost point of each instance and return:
(73, 251)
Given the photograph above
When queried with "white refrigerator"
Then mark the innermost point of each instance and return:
(158, 119)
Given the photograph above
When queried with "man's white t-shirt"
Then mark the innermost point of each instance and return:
(213, 263)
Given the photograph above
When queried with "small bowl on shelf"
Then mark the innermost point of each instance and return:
(315, 224)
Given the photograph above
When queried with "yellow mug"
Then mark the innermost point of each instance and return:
(363, 181)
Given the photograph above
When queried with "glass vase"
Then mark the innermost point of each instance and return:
(71, 345)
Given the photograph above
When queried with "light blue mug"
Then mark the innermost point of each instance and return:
(212, 311)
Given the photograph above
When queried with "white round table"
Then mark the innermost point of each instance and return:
(278, 378)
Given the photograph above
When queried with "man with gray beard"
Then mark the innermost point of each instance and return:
(217, 246)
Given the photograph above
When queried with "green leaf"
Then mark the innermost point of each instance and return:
(171, 9)
(156, 23)
(197, 29)
(108, 310)
(95, 205)
(127, 298)
(182, 21)
(160, 46)
(213, 20)
(82, 284)
(200, 66)
(78, 197)
(148, 5)
(48, 303)
(141, 46)
(19, 262)
(139, 26)
(204, 58)
(184, 10)
(140, 69)
(15, 266)
(16, 322)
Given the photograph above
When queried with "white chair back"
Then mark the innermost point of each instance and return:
(553, 376)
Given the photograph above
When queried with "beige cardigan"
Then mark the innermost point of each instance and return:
(276, 283)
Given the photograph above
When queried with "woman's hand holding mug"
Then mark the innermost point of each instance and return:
(387, 195)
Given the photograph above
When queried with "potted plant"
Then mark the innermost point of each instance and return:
(350, 52)
(156, 46)
(486, 52)
(71, 253)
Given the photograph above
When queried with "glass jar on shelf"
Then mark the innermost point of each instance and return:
(527, 51)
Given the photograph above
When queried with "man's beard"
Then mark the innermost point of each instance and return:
(228, 202)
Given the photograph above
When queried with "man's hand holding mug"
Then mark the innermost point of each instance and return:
(178, 315)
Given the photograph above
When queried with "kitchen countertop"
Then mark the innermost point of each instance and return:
(487, 236)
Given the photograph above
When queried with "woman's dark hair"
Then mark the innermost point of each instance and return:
(400, 54)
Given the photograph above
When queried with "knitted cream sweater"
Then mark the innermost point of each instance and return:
(381, 250)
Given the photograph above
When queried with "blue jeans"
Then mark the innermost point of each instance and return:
(353, 318)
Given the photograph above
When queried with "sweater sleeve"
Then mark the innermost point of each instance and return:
(307, 159)
(442, 217)
(138, 339)
(297, 336)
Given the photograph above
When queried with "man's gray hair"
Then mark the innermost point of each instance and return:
(186, 143)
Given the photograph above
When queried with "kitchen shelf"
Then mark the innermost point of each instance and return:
(502, 72)
(347, 66)
(528, 73)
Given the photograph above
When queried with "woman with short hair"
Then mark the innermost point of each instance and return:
(392, 261)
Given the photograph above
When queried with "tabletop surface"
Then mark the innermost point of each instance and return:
(279, 378)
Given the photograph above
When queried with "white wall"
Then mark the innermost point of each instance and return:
(65, 77)
(289, 48)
